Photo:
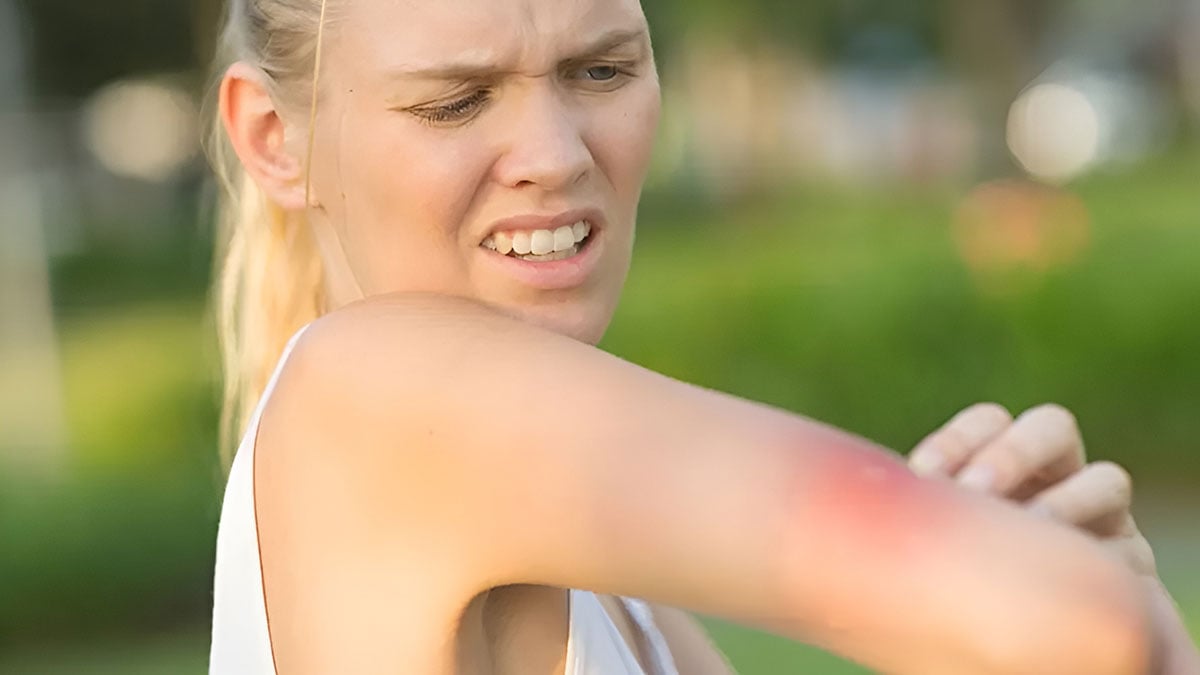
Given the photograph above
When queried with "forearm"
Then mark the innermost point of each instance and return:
(912, 576)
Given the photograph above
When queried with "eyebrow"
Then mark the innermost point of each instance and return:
(466, 71)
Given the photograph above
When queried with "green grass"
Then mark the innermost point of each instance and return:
(176, 654)
(750, 652)
(756, 653)
(186, 653)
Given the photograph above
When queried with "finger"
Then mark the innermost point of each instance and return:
(1041, 447)
(1135, 549)
(1097, 499)
(947, 449)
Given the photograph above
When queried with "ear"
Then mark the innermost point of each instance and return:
(257, 133)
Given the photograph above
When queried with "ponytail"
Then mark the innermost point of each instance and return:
(268, 275)
(269, 283)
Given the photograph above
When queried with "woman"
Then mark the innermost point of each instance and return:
(435, 202)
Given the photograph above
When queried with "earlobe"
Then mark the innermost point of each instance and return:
(257, 133)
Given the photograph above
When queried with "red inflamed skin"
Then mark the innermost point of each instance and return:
(873, 542)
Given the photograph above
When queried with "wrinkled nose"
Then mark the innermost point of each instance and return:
(546, 146)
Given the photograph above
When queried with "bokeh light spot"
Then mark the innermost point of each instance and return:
(141, 129)
(1054, 131)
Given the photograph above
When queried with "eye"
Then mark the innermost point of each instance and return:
(602, 76)
(602, 73)
(454, 111)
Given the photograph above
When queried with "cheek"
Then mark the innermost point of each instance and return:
(404, 195)
(623, 138)
(411, 178)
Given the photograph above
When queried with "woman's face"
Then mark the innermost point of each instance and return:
(454, 135)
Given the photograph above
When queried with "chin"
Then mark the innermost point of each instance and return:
(582, 319)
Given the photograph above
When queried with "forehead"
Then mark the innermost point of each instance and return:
(408, 33)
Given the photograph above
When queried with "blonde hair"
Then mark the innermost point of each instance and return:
(269, 279)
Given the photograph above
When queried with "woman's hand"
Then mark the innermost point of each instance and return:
(1038, 460)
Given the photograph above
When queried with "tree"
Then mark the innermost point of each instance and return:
(31, 417)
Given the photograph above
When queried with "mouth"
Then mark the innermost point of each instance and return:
(541, 245)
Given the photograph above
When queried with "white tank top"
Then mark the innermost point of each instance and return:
(241, 644)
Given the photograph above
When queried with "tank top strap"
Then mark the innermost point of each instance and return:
(664, 664)
(241, 641)
(252, 423)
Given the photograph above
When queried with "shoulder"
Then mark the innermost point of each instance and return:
(395, 321)
(356, 397)
(405, 344)
(354, 503)
(373, 353)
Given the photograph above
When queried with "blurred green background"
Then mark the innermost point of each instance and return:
(873, 213)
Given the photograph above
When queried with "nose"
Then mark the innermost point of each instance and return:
(545, 146)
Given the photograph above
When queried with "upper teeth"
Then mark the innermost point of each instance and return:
(539, 242)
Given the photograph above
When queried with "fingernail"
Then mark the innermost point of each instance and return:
(978, 477)
(927, 463)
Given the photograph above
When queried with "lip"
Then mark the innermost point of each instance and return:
(556, 275)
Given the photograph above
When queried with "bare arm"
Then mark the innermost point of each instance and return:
(420, 450)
